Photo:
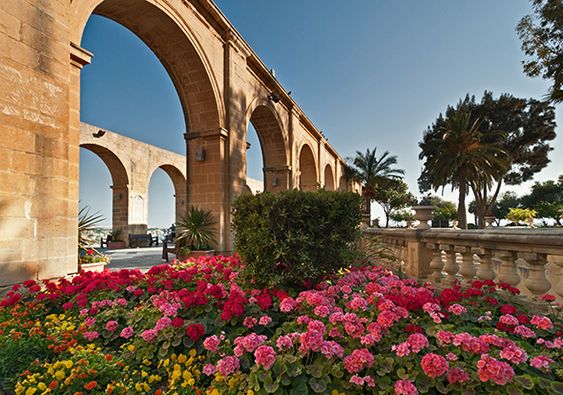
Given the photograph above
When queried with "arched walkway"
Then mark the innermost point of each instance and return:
(308, 180)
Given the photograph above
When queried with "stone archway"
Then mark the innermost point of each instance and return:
(329, 178)
(165, 30)
(308, 180)
(167, 35)
(179, 183)
(273, 145)
(119, 187)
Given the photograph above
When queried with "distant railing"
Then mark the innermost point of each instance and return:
(528, 259)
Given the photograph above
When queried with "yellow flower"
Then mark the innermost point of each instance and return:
(193, 353)
(30, 391)
(42, 386)
(182, 358)
(67, 364)
(131, 347)
(250, 392)
(214, 391)
(59, 375)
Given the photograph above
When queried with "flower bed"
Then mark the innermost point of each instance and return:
(201, 328)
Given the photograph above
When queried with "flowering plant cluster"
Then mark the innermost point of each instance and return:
(91, 256)
(200, 327)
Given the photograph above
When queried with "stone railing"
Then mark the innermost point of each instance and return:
(529, 259)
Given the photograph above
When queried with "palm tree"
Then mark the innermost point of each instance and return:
(459, 158)
(370, 170)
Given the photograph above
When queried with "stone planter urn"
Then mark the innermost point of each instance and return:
(96, 267)
(423, 214)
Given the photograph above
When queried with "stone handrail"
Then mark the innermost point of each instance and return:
(529, 259)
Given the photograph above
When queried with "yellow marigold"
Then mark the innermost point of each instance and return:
(154, 378)
(213, 391)
(131, 347)
(249, 392)
(42, 386)
(193, 353)
(67, 364)
(30, 391)
(182, 358)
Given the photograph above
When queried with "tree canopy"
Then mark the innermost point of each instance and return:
(371, 170)
(542, 41)
(456, 154)
(393, 195)
(522, 128)
(547, 199)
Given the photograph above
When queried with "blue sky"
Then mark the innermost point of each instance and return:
(368, 73)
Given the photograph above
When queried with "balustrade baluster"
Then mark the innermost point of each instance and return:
(485, 271)
(451, 266)
(537, 283)
(436, 265)
(467, 269)
(508, 271)
(558, 261)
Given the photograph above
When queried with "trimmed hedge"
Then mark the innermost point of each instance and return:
(293, 237)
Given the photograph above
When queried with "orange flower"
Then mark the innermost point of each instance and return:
(158, 392)
(53, 384)
(108, 357)
(91, 385)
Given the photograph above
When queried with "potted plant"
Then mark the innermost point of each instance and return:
(117, 241)
(518, 215)
(195, 234)
(88, 258)
(92, 260)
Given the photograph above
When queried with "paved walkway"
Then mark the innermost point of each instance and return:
(135, 258)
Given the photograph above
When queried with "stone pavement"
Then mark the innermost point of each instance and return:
(135, 258)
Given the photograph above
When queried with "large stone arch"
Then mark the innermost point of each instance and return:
(273, 144)
(308, 180)
(329, 178)
(120, 187)
(161, 26)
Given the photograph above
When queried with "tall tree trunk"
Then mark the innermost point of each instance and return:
(461, 211)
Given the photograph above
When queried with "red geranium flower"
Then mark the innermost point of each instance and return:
(195, 331)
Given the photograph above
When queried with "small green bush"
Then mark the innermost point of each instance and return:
(288, 238)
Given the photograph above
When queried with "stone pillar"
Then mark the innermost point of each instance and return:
(120, 211)
(206, 161)
(277, 179)
(419, 256)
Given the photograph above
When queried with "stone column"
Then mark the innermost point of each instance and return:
(419, 256)
(207, 179)
(277, 179)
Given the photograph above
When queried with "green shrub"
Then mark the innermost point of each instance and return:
(293, 236)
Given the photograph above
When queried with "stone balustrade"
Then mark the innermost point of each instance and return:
(529, 259)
